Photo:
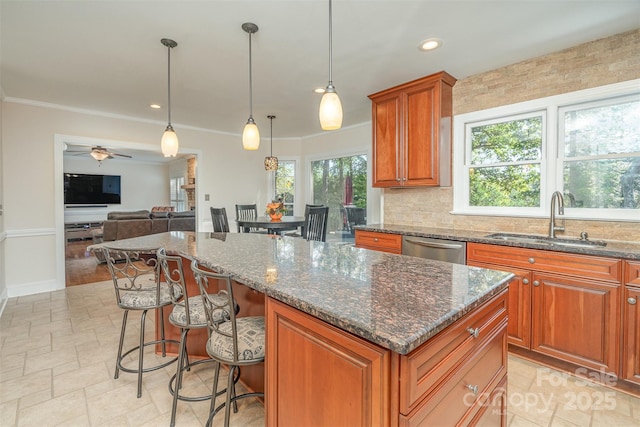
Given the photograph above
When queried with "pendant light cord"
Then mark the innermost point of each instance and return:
(330, 45)
(250, 82)
(169, 83)
(271, 122)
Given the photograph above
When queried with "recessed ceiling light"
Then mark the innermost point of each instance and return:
(155, 106)
(430, 44)
(319, 90)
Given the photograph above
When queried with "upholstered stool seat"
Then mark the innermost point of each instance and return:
(250, 332)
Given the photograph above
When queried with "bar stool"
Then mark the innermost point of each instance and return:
(138, 287)
(188, 313)
(236, 342)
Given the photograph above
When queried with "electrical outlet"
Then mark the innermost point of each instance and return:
(206, 197)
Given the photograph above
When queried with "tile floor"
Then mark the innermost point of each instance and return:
(57, 353)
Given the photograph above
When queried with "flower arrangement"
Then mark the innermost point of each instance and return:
(276, 209)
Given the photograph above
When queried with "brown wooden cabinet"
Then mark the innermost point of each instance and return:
(320, 375)
(384, 242)
(412, 133)
(631, 323)
(574, 312)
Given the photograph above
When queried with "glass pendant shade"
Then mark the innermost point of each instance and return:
(330, 111)
(169, 143)
(250, 136)
(271, 164)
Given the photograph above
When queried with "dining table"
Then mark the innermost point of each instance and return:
(285, 223)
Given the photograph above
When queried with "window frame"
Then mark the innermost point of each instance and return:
(551, 174)
(181, 201)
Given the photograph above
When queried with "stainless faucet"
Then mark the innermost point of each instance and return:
(552, 220)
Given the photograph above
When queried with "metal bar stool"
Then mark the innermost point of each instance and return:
(236, 342)
(138, 287)
(188, 313)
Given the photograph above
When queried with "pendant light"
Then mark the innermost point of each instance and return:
(169, 142)
(330, 106)
(250, 134)
(271, 163)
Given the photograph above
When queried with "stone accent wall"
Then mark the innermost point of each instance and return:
(610, 60)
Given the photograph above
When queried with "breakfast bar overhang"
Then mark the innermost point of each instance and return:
(359, 337)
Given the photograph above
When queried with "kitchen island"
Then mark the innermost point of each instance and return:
(358, 337)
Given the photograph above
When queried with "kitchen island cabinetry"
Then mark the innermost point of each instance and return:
(412, 133)
(384, 242)
(631, 323)
(575, 302)
(439, 383)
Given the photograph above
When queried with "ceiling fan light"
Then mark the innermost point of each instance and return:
(250, 136)
(99, 155)
(330, 110)
(169, 142)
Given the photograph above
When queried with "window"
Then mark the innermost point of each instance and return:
(178, 195)
(600, 154)
(285, 184)
(585, 143)
(341, 184)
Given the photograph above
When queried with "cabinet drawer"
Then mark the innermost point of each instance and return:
(632, 273)
(379, 241)
(600, 268)
(423, 370)
(468, 387)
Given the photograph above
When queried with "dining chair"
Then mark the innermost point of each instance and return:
(315, 223)
(246, 212)
(219, 219)
(355, 216)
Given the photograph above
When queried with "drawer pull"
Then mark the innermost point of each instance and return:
(631, 300)
(536, 283)
(473, 388)
(525, 281)
(474, 332)
(375, 239)
(532, 260)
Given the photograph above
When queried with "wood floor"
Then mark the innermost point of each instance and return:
(81, 266)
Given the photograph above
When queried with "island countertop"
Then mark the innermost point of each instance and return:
(395, 301)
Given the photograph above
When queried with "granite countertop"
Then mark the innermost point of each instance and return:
(395, 301)
(614, 248)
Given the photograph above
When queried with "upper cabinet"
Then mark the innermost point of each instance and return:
(412, 133)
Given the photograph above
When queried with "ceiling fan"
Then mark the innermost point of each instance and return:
(100, 153)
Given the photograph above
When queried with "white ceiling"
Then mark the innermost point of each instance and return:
(106, 56)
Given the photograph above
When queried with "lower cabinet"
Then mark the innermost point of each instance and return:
(318, 375)
(384, 242)
(566, 306)
(631, 323)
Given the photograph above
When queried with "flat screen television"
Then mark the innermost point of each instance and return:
(85, 189)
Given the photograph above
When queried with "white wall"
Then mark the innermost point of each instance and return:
(3, 281)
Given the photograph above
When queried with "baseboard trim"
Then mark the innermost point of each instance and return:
(22, 289)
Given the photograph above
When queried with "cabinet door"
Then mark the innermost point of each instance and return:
(420, 118)
(631, 334)
(318, 375)
(386, 141)
(519, 307)
(576, 320)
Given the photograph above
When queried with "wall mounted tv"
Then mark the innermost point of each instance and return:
(84, 189)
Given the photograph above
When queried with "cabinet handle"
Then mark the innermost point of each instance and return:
(536, 283)
(532, 260)
(473, 388)
(375, 239)
(398, 179)
(525, 281)
(474, 332)
(631, 300)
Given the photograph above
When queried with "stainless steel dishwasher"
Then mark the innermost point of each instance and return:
(438, 249)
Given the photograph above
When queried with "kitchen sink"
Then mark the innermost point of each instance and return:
(544, 240)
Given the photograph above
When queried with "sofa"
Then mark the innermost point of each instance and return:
(124, 225)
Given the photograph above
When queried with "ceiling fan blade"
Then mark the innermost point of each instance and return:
(120, 155)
